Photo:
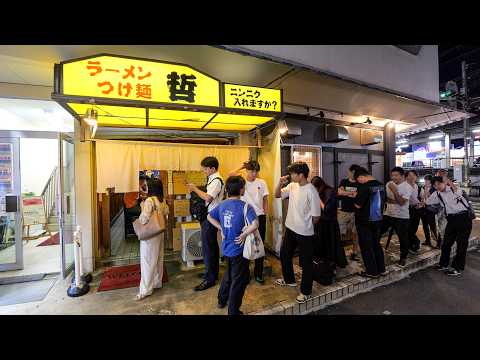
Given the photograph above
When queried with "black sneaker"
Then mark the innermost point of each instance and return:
(365, 274)
(453, 272)
(203, 286)
(412, 252)
(259, 279)
(221, 305)
(441, 268)
(354, 257)
(402, 263)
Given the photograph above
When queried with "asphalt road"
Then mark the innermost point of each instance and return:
(427, 292)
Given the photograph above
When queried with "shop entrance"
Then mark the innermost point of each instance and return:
(30, 242)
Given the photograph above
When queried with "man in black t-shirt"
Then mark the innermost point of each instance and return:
(368, 220)
(347, 190)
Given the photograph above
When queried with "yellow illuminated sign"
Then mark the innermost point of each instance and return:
(133, 79)
(252, 98)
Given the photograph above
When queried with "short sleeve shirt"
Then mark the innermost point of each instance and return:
(254, 193)
(230, 216)
(303, 204)
(347, 202)
(397, 210)
(362, 214)
(214, 189)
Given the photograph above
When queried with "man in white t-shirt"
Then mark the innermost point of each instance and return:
(213, 197)
(303, 212)
(397, 215)
(256, 195)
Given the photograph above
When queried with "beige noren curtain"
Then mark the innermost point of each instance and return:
(118, 162)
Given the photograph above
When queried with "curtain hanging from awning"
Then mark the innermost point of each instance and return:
(119, 162)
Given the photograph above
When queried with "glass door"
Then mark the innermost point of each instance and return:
(67, 201)
(11, 251)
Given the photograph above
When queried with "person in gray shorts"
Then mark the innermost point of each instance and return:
(347, 190)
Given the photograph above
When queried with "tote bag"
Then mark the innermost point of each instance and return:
(155, 225)
(253, 247)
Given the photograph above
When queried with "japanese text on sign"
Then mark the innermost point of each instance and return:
(133, 79)
(252, 98)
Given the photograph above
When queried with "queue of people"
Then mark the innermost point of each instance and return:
(368, 210)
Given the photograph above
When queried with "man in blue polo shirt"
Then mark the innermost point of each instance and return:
(229, 218)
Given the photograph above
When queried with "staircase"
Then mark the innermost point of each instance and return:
(49, 197)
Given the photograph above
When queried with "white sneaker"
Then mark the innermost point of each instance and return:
(282, 282)
(141, 296)
(301, 298)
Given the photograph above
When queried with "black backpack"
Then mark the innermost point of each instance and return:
(198, 209)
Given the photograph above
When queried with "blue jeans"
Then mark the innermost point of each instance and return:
(210, 251)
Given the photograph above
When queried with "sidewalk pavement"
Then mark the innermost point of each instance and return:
(177, 296)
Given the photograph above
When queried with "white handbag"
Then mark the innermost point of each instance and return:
(253, 247)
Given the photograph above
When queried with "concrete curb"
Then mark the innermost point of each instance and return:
(353, 285)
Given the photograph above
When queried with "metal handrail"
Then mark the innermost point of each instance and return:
(49, 193)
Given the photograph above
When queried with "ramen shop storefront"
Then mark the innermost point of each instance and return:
(174, 102)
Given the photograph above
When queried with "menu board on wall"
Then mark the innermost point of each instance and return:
(179, 182)
(6, 180)
(196, 177)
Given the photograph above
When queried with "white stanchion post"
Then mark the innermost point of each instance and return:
(80, 287)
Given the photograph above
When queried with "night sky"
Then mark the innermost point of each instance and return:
(450, 58)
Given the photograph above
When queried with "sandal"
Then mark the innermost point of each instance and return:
(282, 282)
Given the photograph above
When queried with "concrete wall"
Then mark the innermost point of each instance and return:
(385, 66)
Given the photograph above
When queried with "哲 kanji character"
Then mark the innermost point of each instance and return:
(257, 94)
(106, 83)
(260, 103)
(237, 102)
(253, 103)
(183, 90)
(249, 95)
(129, 72)
(94, 65)
(244, 102)
(127, 87)
(144, 91)
(141, 77)
(267, 104)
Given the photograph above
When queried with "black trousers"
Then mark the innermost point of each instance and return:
(458, 230)
(262, 222)
(234, 282)
(372, 252)
(210, 251)
(401, 228)
(432, 224)
(414, 241)
(287, 250)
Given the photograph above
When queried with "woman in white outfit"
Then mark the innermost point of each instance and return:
(151, 250)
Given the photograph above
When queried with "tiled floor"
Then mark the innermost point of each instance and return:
(36, 259)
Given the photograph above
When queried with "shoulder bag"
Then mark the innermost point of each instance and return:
(155, 225)
(253, 247)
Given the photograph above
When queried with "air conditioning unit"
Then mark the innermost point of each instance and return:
(335, 133)
(370, 137)
(191, 242)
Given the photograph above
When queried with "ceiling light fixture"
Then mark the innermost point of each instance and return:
(91, 118)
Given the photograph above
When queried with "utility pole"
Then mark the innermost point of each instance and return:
(466, 127)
